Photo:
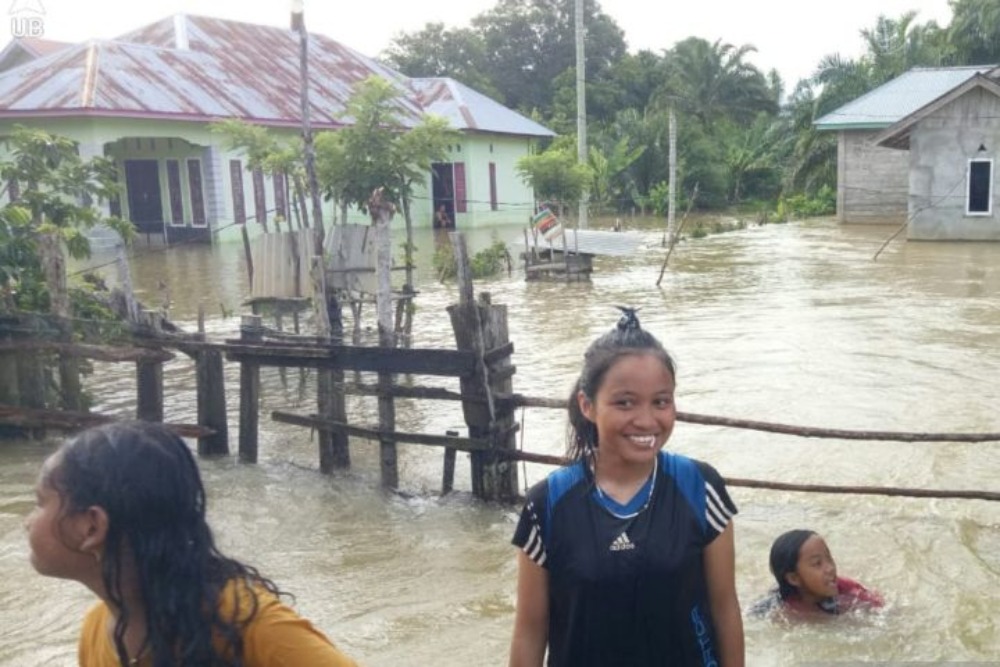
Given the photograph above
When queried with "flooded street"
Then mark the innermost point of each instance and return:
(785, 323)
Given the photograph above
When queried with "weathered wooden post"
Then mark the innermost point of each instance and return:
(482, 328)
(149, 378)
(250, 332)
(9, 394)
(381, 212)
(211, 388)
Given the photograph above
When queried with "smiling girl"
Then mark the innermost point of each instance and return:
(806, 573)
(626, 556)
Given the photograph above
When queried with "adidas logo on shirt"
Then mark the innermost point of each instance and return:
(622, 543)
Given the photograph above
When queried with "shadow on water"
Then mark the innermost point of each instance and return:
(791, 323)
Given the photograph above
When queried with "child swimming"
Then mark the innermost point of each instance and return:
(807, 579)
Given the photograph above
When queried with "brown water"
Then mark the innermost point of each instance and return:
(789, 323)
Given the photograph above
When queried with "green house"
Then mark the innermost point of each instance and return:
(147, 99)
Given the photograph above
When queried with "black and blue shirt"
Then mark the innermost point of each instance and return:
(627, 582)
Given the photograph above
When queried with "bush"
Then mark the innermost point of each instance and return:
(485, 263)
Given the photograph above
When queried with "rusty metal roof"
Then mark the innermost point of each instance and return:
(468, 109)
(202, 69)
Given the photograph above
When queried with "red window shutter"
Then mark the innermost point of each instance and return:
(239, 204)
(197, 200)
(259, 198)
(174, 188)
(493, 186)
(460, 200)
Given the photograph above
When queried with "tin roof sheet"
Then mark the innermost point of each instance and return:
(467, 109)
(590, 242)
(898, 98)
(200, 68)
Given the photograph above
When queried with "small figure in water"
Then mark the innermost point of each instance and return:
(121, 509)
(441, 218)
(807, 579)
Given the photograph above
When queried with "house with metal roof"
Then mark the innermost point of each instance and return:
(950, 144)
(873, 180)
(148, 98)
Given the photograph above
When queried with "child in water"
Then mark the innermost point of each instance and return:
(807, 579)
(121, 509)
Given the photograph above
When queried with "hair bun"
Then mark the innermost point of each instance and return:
(629, 321)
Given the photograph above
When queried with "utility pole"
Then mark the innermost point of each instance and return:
(581, 107)
(672, 175)
(299, 25)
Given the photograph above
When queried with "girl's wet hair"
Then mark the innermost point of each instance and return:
(785, 558)
(626, 338)
(147, 481)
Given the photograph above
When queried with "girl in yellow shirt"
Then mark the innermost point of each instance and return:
(121, 509)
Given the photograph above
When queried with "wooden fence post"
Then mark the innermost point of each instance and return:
(381, 212)
(212, 403)
(482, 329)
(250, 332)
(149, 380)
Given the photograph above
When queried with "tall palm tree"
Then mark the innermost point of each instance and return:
(713, 80)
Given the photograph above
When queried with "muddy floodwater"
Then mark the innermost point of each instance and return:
(785, 323)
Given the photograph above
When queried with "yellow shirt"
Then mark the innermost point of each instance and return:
(276, 637)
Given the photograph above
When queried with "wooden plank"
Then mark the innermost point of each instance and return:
(447, 363)
(313, 421)
(502, 374)
(95, 352)
(498, 353)
(66, 420)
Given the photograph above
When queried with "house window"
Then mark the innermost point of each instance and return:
(979, 197)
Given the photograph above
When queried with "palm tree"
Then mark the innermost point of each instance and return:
(712, 81)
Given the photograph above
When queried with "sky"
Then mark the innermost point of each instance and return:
(789, 35)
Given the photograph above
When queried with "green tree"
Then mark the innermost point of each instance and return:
(531, 42)
(378, 151)
(555, 175)
(53, 210)
(458, 53)
(974, 32)
(606, 167)
(266, 152)
(712, 81)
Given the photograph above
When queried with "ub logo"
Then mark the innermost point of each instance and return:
(26, 18)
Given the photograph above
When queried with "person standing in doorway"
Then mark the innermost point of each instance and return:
(626, 555)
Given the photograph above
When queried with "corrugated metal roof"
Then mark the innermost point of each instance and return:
(199, 68)
(898, 98)
(591, 242)
(467, 109)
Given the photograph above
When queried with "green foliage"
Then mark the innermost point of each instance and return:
(805, 206)
(484, 264)
(376, 150)
(555, 175)
(56, 188)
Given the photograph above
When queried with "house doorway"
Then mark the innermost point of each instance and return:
(145, 201)
(443, 195)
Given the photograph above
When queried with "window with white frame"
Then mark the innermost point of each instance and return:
(979, 194)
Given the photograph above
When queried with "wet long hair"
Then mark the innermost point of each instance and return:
(785, 559)
(626, 338)
(147, 481)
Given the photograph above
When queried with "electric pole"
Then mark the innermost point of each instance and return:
(581, 107)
